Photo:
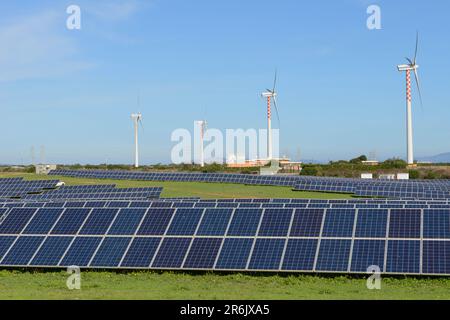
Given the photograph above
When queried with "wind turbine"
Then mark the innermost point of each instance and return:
(270, 94)
(137, 118)
(203, 126)
(407, 68)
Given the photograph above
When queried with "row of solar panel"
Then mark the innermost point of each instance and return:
(340, 223)
(179, 176)
(361, 187)
(102, 195)
(22, 184)
(85, 188)
(207, 253)
(355, 188)
(378, 191)
(36, 190)
(243, 178)
(185, 204)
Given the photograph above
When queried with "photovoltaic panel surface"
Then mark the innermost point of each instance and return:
(401, 241)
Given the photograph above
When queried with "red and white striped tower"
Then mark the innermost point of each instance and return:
(409, 129)
(269, 130)
(408, 68)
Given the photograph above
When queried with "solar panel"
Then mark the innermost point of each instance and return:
(70, 221)
(267, 254)
(300, 254)
(185, 222)
(307, 223)
(110, 252)
(51, 251)
(98, 221)
(367, 253)
(245, 222)
(202, 253)
(234, 254)
(371, 223)
(5, 244)
(16, 220)
(155, 222)
(436, 224)
(215, 222)
(127, 221)
(22, 251)
(275, 222)
(43, 221)
(272, 239)
(403, 256)
(140, 253)
(171, 253)
(404, 224)
(81, 251)
(333, 255)
(436, 257)
(339, 223)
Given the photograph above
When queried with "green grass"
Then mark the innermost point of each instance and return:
(169, 285)
(196, 189)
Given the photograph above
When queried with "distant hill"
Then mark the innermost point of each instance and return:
(440, 158)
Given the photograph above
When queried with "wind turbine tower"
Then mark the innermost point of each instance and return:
(269, 95)
(203, 126)
(407, 68)
(137, 118)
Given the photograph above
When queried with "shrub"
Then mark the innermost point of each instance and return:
(414, 174)
(394, 164)
(309, 171)
(431, 175)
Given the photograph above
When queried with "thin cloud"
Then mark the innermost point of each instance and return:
(37, 47)
(113, 11)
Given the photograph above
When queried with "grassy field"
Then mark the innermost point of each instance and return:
(39, 284)
(196, 189)
(168, 285)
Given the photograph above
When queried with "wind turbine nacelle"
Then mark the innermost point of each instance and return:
(268, 94)
(406, 67)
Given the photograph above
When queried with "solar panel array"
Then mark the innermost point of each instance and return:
(424, 189)
(399, 241)
(233, 203)
(431, 189)
(17, 188)
(278, 180)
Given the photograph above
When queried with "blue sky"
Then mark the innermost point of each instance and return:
(340, 94)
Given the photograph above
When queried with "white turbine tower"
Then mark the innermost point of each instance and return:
(270, 94)
(203, 126)
(407, 68)
(137, 118)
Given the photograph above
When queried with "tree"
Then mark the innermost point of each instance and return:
(360, 159)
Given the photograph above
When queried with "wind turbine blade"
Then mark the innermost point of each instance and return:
(140, 123)
(409, 60)
(417, 45)
(276, 109)
(418, 87)
(274, 81)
